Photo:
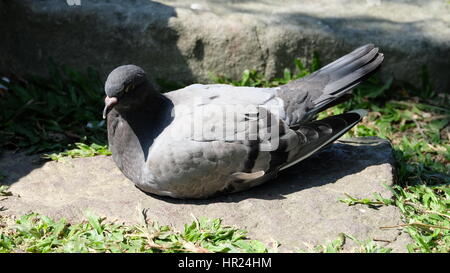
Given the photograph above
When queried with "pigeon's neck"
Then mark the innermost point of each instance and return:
(132, 131)
(149, 104)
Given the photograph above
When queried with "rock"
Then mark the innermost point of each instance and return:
(185, 41)
(298, 209)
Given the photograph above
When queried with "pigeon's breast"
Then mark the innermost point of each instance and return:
(126, 149)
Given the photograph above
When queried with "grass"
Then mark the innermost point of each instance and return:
(4, 191)
(81, 150)
(255, 79)
(38, 114)
(337, 246)
(42, 115)
(426, 211)
(378, 201)
(40, 234)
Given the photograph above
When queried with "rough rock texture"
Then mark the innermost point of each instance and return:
(181, 40)
(299, 209)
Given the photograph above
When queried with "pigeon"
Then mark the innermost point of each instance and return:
(206, 140)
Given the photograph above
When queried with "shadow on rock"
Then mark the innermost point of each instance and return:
(110, 33)
(14, 165)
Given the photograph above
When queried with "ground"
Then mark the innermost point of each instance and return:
(299, 209)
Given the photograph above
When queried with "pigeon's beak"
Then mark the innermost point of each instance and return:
(109, 103)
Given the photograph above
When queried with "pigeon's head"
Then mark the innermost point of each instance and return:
(121, 86)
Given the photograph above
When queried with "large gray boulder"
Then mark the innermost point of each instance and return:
(187, 40)
(299, 209)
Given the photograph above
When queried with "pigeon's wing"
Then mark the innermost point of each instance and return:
(222, 94)
(218, 147)
(319, 133)
(305, 97)
(208, 147)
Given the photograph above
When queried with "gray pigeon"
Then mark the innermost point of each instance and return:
(205, 140)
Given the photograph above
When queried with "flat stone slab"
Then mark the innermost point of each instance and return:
(299, 209)
(187, 41)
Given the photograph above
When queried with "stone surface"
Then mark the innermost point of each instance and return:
(299, 209)
(186, 41)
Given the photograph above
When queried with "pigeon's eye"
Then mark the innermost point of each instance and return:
(128, 88)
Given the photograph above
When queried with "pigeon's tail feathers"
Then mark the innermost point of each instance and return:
(347, 72)
(332, 84)
(356, 54)
(320, 133)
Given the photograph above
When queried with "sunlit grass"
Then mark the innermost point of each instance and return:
(81, 150)
(40, 234)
